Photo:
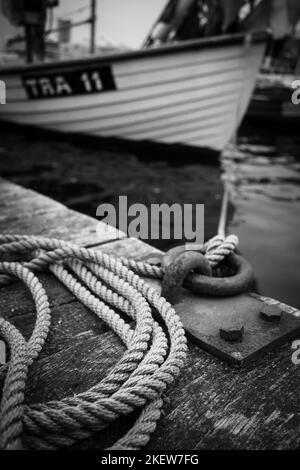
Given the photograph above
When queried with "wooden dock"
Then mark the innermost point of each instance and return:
(211, 406)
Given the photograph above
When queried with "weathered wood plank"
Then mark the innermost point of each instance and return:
(28, 213)
(16, 300)
(76, 368)
(211, 406)
(222, 408)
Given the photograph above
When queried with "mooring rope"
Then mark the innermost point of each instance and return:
(152, 361)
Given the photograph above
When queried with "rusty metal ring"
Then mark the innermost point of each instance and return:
(178, 269)
(223, 286)
(173, 253)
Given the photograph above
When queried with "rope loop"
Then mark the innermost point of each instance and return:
(153, 359)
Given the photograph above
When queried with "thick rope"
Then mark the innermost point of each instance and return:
(215, 250)
(11, 411)
(152, 361)
(219, 247)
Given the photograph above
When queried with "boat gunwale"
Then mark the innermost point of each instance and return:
(214, 41)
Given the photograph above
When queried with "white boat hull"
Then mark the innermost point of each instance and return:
(194, 93)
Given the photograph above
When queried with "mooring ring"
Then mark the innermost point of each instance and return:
(223, 286)
(177, 271)
(170, 256)
(178, 264)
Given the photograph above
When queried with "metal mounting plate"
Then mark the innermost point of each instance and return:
(203, 317)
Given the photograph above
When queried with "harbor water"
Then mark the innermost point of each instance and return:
(261, 171)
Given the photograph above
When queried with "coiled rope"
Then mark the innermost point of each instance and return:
(152, 361)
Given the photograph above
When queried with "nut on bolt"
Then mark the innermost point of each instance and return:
(270, 313)
(234, 334)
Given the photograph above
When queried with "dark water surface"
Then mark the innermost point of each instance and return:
(262, 172)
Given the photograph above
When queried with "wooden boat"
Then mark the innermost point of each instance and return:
(272, 101)
(195, 92)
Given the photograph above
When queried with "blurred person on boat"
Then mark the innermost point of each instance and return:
(191, 19)
(35, 15)
(280, 18)
(32, 15)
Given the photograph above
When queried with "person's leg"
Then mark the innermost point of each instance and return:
(29, 43)
(40, 42)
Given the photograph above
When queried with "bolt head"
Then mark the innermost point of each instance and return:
(234, 334)
(270, 313)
